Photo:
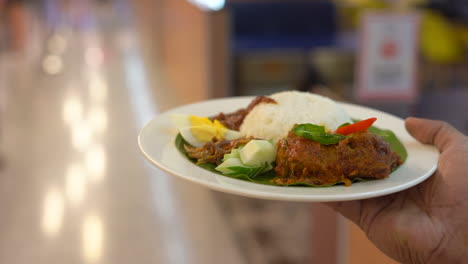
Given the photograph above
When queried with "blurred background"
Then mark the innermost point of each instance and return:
(79, 78)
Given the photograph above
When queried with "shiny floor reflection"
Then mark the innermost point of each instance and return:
(73, 185)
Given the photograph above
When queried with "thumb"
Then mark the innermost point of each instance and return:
(432, 132)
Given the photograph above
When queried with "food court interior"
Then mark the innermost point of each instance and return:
(79, 79)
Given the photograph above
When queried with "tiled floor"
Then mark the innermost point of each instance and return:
(73, 185)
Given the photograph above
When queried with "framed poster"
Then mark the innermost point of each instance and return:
(388, 57)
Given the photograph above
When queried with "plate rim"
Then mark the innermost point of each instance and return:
(271, 195)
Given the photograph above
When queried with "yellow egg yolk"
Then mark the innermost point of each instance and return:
(203, 129)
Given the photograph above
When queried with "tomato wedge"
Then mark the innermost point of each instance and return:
(356, 127)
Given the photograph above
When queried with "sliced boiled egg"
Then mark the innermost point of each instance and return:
(199, 130)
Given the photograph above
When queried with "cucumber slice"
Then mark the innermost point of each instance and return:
(258, 152)
(234, 154)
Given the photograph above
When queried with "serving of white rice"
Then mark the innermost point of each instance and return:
(274, 121)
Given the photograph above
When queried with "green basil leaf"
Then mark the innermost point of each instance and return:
(317, 133)
(309, 128)
(345, 124)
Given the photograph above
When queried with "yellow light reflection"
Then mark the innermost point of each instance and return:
(93, 238)
(81, 135)
(52, 214)
(96, 162)
(72, 111)
(98, 119)
(52, 64)
(97, 89)
(75, 183)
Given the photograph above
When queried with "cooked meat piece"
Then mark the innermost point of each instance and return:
(213, 152)
(364, 155)
(234, 120)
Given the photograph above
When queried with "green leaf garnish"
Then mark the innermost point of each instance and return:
(309, 128)
(390, 137)
(317, 133)
(249, 172)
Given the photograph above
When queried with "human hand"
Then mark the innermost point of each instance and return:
(429, 222)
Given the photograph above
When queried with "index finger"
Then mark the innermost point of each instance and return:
(437, 133)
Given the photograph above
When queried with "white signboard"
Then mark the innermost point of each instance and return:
(388, 57)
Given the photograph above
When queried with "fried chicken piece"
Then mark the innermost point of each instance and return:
(364, 155)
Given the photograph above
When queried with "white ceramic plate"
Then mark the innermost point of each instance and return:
(156, 141)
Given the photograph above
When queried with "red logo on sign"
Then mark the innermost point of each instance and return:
(389, 49)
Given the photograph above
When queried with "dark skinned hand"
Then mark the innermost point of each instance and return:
(429, 222)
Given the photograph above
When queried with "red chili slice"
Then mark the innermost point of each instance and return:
(356, 127)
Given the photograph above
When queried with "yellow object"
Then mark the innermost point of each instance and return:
(199, 130)
(462, 32)
(203, 129)
(440, 42)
